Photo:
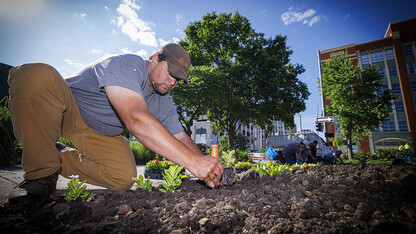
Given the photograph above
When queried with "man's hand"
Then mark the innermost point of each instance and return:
(208, 169)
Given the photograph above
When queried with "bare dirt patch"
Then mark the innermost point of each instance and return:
(323, 199)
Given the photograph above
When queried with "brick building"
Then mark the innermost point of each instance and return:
(395, 54)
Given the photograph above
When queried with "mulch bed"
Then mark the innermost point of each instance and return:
(322, 199)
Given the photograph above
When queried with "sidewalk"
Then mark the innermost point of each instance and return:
(10, 176)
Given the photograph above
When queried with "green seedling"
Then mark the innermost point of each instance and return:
(75, 189)
(227, 158)
(260, 169)
(143, 184)
(172, 179)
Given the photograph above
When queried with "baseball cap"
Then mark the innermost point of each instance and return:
(178, 60)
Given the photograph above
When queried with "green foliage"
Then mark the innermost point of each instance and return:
(227, 158)
(354, 99)
(157, 165)
(275, 169)
(172, 179)
(10, 148)
(67, 142)
(381, 156)
(75, 189)
(243, 165)
(242, 70)
(191, 100)
(223, 144)
(142, 154)
(272, 168)
(202, 148)
(262, 150)
(241, 155)
(143, 184)
(260, 169)
(240, 142)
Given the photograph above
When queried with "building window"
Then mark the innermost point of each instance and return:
(381, 89)
(399, 106)
(411, 67)
(376, 129)
(376, 57)
(413, 85)
(407, 49)
(402, 125)
(364, 59)
(396, 88)
(201, 136)
(388, 126)
(392, 70)
(382, 72)
(389, 54)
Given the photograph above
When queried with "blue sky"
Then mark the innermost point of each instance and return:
(71, 33)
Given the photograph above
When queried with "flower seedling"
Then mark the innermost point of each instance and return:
(142, 183)
(75, 189)
(227, 158)
(172, 179)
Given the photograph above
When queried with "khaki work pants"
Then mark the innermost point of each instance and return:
(43, 108)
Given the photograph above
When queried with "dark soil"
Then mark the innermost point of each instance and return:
(323, 199)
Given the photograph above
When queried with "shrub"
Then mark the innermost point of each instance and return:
(10, 148)
(142, 154)
(156, 165)
(241, 155)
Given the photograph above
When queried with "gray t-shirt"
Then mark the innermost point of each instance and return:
(128, 71)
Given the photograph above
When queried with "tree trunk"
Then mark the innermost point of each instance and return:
(231, 134)
(349, 142)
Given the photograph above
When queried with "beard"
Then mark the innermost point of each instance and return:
(160, 88)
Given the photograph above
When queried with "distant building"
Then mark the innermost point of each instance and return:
(202, 133)
(395, 54)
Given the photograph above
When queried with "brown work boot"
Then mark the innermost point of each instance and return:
(33, 190)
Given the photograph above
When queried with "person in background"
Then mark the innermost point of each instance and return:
(312, 152)
(294, 151)
(333, 157)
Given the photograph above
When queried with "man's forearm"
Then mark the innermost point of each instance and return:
(186, 140)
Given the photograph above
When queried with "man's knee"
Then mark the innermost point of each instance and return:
(32, 78)
(124, 181)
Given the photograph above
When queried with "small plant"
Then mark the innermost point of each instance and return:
(227, 158)
(75, 189)
(243, 165)
(172, 179)
(260, 169)
(142, 183)
(156, 165)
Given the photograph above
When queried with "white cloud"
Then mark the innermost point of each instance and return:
(178, 17)
(142, 53)
(96, 51)
(163, 42)
(307, 17)
(133, 26)
(106, 7)
(74, 64)
(175, 39)
(264, 12)
(346, 17)
(126, 51)
(82, 15)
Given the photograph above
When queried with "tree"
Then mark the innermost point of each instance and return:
(255, 81)
(191, 99)
(354, 99)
